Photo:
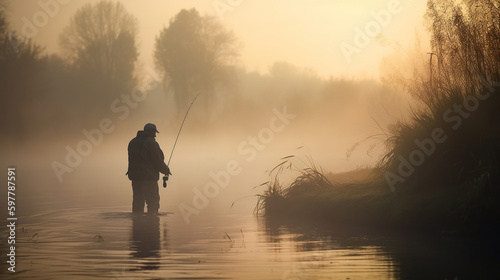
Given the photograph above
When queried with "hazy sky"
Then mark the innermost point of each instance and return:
(334, 37)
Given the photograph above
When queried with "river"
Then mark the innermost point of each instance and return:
(82, 228)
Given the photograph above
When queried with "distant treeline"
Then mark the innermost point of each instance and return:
(60, 94)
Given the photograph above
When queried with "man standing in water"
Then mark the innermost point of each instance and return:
(145, 161)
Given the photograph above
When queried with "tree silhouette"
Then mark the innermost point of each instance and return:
(20, 65)
(195, 53)
(3, 21)
(100, 40)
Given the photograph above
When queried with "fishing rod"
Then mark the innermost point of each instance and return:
(165, 178)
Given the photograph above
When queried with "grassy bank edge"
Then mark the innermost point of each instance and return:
(369, 202)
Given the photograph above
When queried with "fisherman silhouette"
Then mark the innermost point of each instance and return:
(145, 161)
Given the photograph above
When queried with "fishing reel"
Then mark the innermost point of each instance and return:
(165, 179)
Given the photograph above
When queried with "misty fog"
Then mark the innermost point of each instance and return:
(72, 128)
(262, 80)
(306, 139)
(336, 122)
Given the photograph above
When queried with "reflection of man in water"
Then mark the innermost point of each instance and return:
(145, 243)
(145, 161)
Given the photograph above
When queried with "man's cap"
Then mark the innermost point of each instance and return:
(150, 127)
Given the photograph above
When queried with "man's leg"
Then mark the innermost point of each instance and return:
(138, 197)
(152, 196)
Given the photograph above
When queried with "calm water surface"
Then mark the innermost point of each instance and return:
(83, 229)
(110, 243)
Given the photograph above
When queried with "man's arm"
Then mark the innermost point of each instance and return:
(156, 155)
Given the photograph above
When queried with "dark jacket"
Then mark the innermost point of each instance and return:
(145, 159)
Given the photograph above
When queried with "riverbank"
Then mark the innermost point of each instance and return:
(435, 176)
(363, 198)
